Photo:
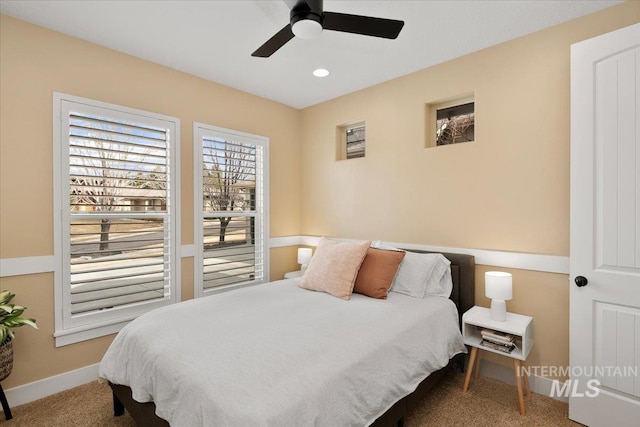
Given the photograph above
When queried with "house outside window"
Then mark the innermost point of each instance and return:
(231, 181)
(116, 232)
(355, 141)
(351, 140)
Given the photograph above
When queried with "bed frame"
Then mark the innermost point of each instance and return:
(463, 295)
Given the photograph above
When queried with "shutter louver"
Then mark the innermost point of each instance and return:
(119, 243)
(355, 142)
(232, 200)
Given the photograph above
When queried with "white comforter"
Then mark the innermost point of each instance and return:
(278, 355)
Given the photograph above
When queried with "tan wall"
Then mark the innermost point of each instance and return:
(283, 260)
(508, 190)
(35, 62)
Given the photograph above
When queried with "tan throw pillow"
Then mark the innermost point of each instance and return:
(334, 267)
(377, 272)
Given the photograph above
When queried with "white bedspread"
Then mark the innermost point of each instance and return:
(278, 355)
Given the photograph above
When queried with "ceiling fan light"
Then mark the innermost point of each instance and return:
(306, 29)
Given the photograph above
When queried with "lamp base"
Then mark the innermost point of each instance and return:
(498, 310)
(303, 267)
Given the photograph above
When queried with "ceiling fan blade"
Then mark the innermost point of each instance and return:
(274, 43)
(365, 25)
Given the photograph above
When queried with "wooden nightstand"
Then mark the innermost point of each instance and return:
(478, 318)
(293, 274)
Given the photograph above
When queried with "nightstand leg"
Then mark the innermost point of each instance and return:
(472, 361)
(526, 379)
(516, 367)
(476, 374)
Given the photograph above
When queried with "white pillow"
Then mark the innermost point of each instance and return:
(377, 244)
(440, 282)
(423, 274)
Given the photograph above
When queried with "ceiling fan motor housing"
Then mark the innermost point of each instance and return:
(307, 10)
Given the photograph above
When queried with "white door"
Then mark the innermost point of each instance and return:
(605, 230)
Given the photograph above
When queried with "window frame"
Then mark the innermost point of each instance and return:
(69, 330)
(200, 130)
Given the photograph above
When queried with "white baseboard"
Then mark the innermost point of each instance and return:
(540, 385)
(47, 386)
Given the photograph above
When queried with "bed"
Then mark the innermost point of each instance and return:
(291, 363)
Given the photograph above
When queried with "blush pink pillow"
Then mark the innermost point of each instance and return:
(334, 267)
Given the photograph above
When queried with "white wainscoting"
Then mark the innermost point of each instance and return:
(525, 261)
(519, 260)
(279, 242)
(27, 265)
(187, 251)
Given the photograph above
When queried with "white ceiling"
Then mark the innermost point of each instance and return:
(214, 39)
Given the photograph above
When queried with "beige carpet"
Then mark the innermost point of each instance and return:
(488, 403)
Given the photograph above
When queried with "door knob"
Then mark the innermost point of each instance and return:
(581, 281)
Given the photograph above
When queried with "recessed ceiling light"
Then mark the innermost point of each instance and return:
(321, 72)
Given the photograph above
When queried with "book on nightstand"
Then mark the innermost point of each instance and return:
(497, 336)
(505, 348)
(497, 340)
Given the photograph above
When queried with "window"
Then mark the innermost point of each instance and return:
(231, 209)
(452, 122)
(117, 237)
(351, 140)
(355, 142)
(455, 124)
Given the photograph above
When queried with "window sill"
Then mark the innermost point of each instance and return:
(76, 335)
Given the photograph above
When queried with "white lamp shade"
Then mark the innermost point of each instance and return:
(304, 255)
(497, 285)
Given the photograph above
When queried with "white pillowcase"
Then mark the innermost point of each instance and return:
(379, 245)
(421, 274)
(440, 283)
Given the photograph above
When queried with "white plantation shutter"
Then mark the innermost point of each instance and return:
(355, 142)
(230, 208)
(118, 239)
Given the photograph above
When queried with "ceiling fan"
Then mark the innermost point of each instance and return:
(308, 19)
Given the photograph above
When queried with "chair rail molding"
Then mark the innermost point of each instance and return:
(525, 261)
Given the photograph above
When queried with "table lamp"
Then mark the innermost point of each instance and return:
(304, 257)
(497, 286)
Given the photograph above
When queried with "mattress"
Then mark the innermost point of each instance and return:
(278, 355)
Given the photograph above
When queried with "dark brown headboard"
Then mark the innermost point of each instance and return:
(463, 273)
